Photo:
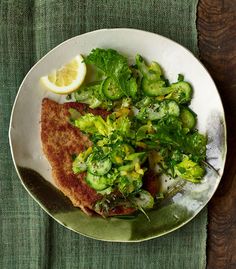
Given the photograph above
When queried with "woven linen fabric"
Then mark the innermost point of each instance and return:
(29, 237)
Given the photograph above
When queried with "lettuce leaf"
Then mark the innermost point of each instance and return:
(114, 66)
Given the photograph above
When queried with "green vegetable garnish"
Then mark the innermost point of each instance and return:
(150, 123)
(189, 170)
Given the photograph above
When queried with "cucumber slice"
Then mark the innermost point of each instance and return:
(151, 72)
(154, 87)
(167, 107)
(98, 167)
(181, 92)
(188, 118)
(158, 111)
(98, 183)
(133, 88)
(111, 90)
(144, 200)
(79, 166)
(155, 70)
(146, 101)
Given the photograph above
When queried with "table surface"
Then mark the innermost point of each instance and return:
(216, 25)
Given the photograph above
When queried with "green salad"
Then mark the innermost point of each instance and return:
(150, 125)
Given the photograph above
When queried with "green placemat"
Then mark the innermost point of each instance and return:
(29, 238)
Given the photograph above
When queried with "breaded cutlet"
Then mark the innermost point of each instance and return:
(60, 141)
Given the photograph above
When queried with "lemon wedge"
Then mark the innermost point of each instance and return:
(68, 78)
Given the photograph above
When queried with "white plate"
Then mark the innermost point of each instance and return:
(24, 129)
